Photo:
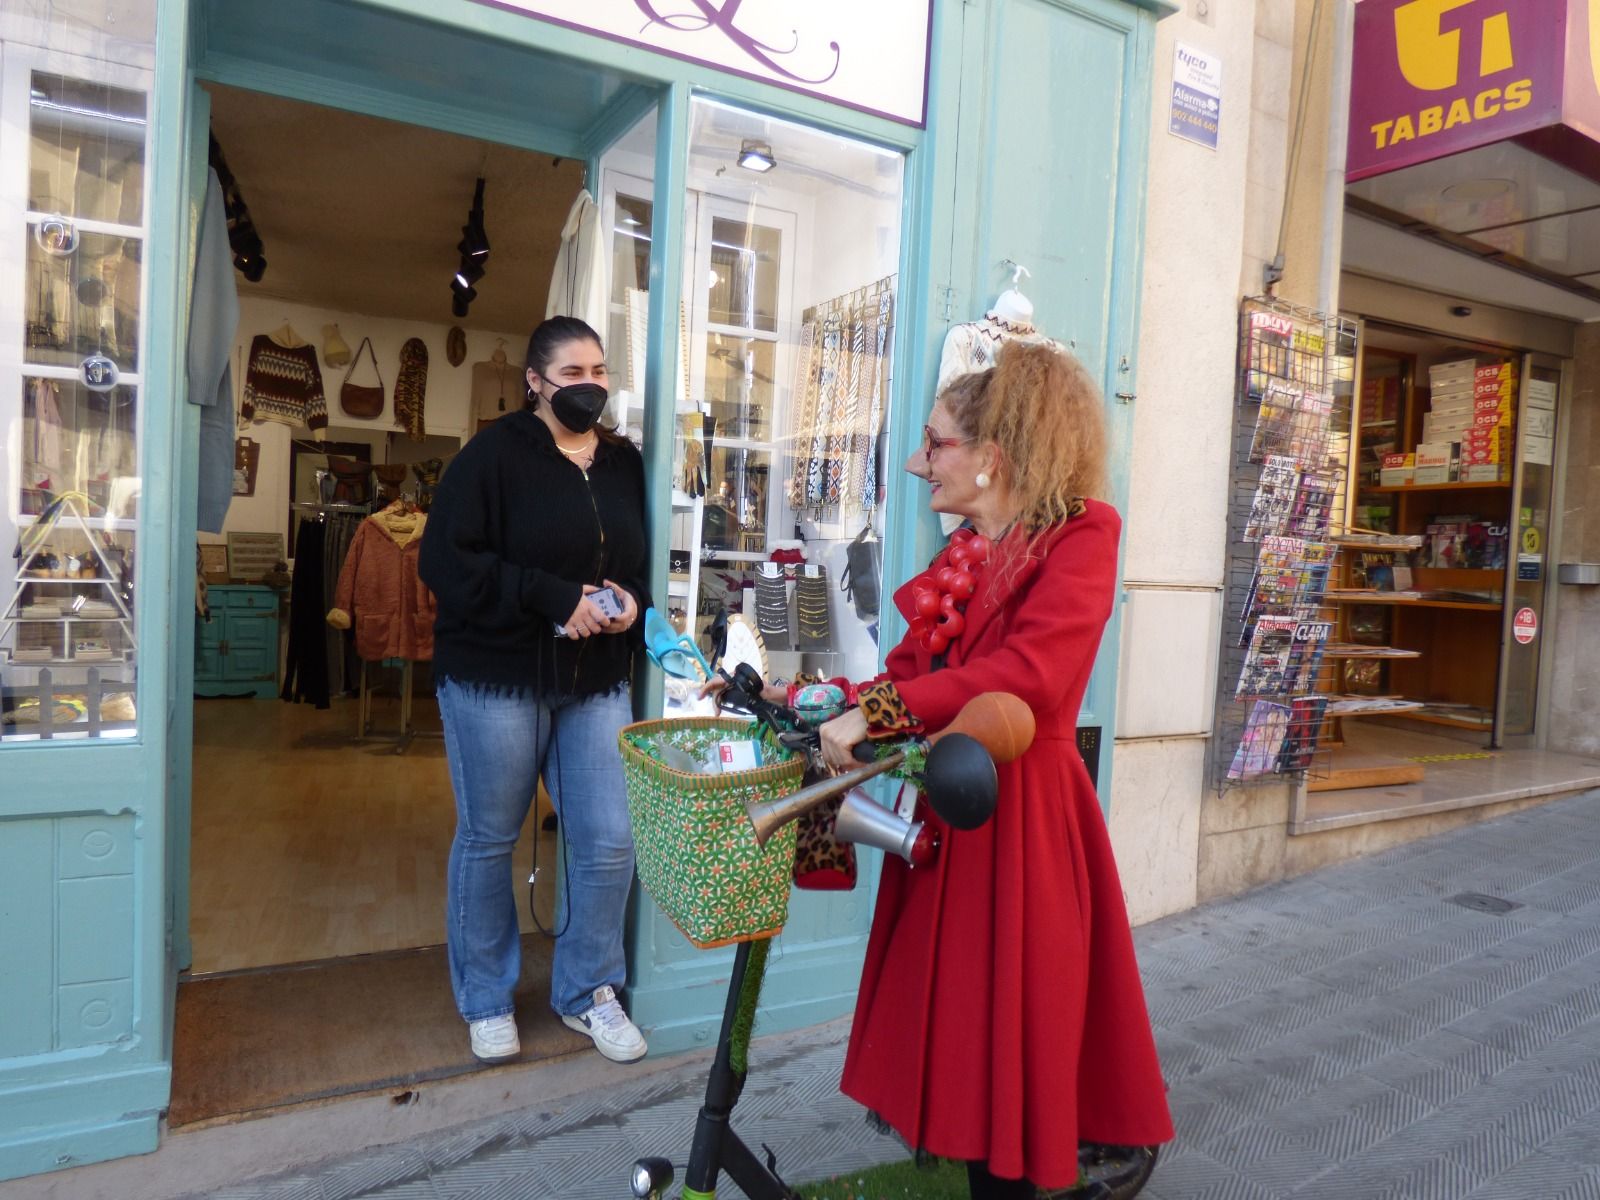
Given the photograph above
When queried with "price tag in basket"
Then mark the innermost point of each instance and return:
(743, 755)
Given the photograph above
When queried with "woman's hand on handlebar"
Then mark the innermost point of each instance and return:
(772, 693)
(840, 737)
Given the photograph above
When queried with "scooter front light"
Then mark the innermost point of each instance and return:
(651, 1177)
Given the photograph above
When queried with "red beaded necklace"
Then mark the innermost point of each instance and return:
(941, 604)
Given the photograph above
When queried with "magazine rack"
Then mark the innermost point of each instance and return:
(1287, 506)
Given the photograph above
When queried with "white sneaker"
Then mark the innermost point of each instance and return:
(614, 1035)
(494, 1039)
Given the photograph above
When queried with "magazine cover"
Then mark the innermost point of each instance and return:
(1266, 663)
(1306, 714)
(1276, 584)
(1262, 744)
(1312, 418)
(1274, 499)
(1313, 504)
(1316, 562)
(1305, 660)
(1275, 422)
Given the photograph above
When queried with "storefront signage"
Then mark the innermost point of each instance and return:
(871, 56)
(1432, 78)
(1525, 625)
(1196, 95)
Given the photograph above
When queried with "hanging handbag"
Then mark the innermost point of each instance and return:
(391, 477)
(352, 480)
(362, 403)
(863, 563)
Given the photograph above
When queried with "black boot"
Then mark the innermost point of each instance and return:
(1109, 1172)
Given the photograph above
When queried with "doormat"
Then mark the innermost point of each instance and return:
(285, 1035)
(1439, 758)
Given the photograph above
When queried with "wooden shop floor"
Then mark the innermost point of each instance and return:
(308, 846)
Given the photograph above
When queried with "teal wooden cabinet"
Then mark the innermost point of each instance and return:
(236, 652)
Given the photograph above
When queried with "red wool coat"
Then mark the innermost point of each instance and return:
(1001, 1016)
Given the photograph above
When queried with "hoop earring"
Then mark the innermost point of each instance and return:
(983, 479)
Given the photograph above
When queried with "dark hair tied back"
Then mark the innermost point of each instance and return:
(551, 334)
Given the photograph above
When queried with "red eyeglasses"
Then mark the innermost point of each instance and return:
(932, 441)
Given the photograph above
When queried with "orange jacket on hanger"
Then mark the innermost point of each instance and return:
(379, 592)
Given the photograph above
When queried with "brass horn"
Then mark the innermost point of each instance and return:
(769, 816)
(998, 721)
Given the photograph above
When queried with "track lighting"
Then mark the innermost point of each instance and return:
(474, 250)
(248, 257)
(756, 156)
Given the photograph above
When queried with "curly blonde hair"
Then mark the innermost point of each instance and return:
(1039, 405)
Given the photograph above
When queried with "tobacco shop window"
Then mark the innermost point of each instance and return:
(74, 212)
(791, 245)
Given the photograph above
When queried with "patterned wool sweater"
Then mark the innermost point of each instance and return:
(283, 383)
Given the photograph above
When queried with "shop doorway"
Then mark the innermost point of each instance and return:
(321, 809)
(1442, 595)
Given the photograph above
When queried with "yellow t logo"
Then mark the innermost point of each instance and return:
(1430, 57)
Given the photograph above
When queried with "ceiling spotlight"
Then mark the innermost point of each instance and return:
(756, 156)
(474, 249)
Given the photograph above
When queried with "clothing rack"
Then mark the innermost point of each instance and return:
(323, 510)
(403, 738)
(867, 291)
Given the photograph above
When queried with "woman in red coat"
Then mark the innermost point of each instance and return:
(1001, 1018)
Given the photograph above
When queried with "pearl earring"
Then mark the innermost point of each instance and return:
(983, 479)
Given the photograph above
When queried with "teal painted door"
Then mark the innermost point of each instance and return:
(1050, 167)
(85, 1022)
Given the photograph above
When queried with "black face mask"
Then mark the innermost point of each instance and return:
(579, 405)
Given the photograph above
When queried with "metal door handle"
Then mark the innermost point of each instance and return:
(1126, 397)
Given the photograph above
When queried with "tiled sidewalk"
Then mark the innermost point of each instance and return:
(1353, 1033)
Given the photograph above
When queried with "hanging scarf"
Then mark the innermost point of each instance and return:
(410, 388)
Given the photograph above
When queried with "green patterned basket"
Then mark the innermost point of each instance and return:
(697, 853)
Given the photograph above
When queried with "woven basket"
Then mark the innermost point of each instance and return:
(697, 854)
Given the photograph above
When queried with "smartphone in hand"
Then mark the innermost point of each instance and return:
(606, 600)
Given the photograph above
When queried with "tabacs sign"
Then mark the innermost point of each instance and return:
(1435, 77)
(869, 56)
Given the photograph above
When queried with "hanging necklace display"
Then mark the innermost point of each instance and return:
(772, 605)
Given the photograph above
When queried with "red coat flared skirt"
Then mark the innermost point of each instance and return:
(1001, 1015)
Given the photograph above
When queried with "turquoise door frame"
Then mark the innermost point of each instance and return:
(85, 995)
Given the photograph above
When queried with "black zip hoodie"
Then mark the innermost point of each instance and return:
(514, 531)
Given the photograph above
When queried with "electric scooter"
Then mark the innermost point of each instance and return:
(954, 771)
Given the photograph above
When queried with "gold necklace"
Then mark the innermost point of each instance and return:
(589, 449)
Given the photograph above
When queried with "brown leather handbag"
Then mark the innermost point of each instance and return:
(391, 476)
(362, 403)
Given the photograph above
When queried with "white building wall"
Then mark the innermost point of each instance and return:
(1205, 215)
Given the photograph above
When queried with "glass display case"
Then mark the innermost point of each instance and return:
(73, 198)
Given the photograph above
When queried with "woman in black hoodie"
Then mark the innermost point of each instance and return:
(538, 512)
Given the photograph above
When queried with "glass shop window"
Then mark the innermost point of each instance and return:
(792, 244)
(70, 408)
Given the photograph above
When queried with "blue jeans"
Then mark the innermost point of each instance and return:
(498, 746)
